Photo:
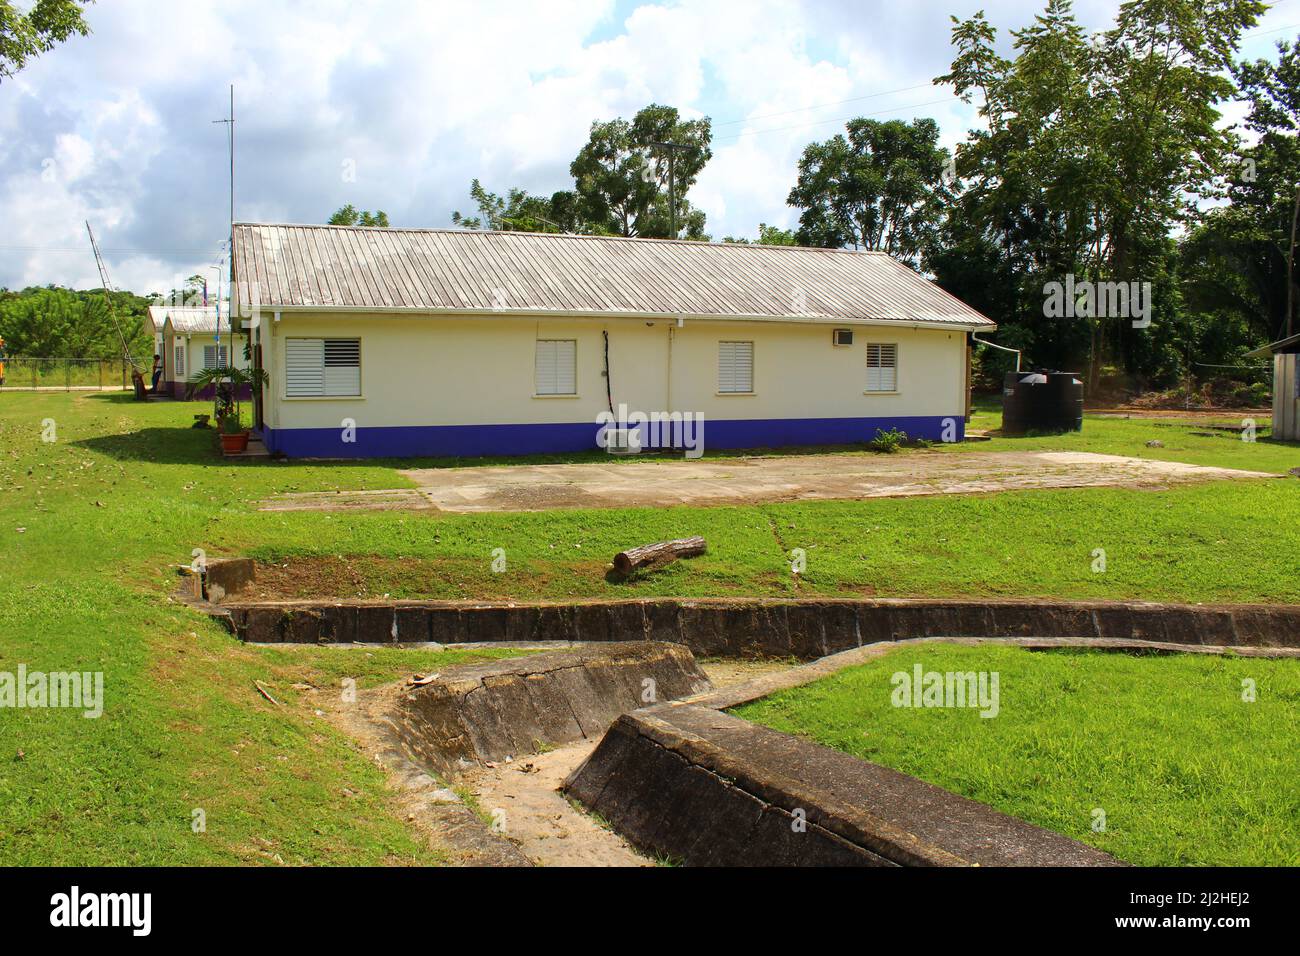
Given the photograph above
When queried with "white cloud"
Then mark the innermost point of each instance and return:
(418, 99)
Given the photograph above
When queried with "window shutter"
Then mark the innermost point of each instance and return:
(736, 367)
(882, 367)
(342, 366)
(322, 367)
(304, 367)
(179, 362)
(556, 371)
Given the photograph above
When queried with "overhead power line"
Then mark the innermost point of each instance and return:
(819, 106)
(840, 119)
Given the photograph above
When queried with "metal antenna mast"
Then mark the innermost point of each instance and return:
(106, 286)
(230, 142)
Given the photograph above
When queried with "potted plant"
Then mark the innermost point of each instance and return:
(226, 383)
(234, 436)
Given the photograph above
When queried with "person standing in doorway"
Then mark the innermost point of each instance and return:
(157, 372)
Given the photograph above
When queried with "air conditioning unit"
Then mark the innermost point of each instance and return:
(843, 337)
(622, 441)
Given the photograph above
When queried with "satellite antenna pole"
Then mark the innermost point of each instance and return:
(106, 286)
(230, 249)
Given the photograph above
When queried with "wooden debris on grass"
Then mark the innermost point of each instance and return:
(659, 553)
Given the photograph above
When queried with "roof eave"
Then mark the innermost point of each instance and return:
(1291, 343)
(953, 326)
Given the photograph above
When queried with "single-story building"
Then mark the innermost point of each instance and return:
(197, 337)
(409, 342)
(1286, 385)
(154, 319)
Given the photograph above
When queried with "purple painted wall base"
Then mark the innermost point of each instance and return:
(473, 441)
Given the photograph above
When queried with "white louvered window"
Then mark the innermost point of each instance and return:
(556, 371)
(736, 367)
(882, 367)
(179, 362)
(214, 357)
(315, 368)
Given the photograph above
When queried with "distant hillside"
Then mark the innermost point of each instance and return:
(54, 322)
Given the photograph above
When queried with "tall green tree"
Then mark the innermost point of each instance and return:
(767, 236)
(349, 215)
(520, 211)
(1266, 192)
(880, 187)
(622, 179)
(1094, 148)
(622, 174)
(26, 35)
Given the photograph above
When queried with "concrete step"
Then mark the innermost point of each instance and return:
(256, 449)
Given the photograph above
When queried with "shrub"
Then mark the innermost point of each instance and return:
(888, 442)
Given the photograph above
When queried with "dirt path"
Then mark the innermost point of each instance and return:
(523, 796)
(662, 483)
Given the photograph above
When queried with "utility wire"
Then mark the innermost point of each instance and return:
(841, 119)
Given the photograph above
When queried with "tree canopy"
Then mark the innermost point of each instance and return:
(54, 322)
(880, 187)
(349, 215)
(620, 183)
(25, 36)
(1093, 154)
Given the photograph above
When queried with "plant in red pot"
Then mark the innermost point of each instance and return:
(225, 383)
(234, 436)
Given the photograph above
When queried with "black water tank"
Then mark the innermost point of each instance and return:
(1041, 401)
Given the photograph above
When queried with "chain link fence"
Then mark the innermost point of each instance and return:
(69, 374)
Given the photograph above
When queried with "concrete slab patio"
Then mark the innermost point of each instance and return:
(748, 480)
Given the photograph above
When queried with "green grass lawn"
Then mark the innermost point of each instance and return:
(1185, 771)
(127, 491)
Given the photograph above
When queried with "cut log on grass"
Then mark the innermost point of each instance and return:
(625, 562)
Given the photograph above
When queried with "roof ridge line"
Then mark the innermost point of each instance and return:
(695, 243)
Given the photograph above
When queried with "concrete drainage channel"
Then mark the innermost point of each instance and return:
(634, 732)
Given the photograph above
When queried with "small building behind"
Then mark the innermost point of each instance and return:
(155, 318)
(1286, 386)
(195, 338)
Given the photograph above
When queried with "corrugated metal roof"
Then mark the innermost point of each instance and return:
(442, 270)
(187, 318)
(1291, 344)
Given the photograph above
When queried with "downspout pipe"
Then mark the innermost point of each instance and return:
(1001, 348)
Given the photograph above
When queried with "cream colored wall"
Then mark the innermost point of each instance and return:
(440, 370)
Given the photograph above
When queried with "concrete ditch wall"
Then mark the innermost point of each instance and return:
(760, 628)
(480, 712)
(709, 789)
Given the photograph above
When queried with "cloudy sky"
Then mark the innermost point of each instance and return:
(417, 97)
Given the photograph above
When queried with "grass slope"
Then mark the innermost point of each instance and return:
(126, 491)
(1186, 771)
